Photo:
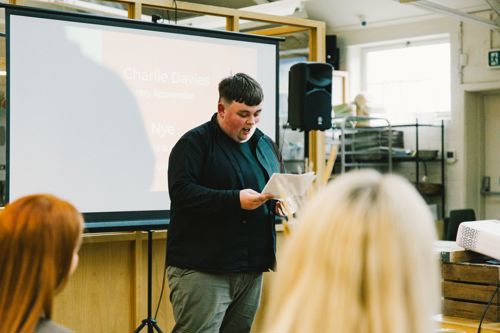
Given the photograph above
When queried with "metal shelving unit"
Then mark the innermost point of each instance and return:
(363, 146)
(439, 188)
(379, 147)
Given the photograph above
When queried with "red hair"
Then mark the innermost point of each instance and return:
(39, 235)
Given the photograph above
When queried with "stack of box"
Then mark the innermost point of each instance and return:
(467, 288)
(469, 280)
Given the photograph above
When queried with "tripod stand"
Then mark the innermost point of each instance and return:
(149, 321)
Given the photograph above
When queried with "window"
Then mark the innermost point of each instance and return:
(408, 80)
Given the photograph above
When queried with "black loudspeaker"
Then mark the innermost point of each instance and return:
(332, 51)
(310, 96)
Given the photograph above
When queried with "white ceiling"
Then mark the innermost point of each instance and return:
(337, 14)
(345, 14)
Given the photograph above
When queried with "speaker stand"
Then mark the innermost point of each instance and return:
(306, 144)
(149, 322)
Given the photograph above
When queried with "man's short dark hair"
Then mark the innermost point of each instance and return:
(241, 88)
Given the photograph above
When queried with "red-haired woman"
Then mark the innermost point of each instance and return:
(39, 240)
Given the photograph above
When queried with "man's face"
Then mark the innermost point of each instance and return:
(238, 120)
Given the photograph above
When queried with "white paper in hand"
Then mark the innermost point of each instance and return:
(284, 185)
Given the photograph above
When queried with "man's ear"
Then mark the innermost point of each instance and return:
(220, 108)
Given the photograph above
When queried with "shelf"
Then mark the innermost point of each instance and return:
(367, 128)
(415, 125)
(365, 164)
(415, 159)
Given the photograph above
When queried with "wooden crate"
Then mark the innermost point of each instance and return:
(468, 287)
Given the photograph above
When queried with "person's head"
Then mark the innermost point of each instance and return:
(239, 106)
(39, 240)
(359, 261)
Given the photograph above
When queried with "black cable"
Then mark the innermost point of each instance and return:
(168, 16)
(282, 139)
(175, 11)
(161, 292)
(487, 307)
(155, 18)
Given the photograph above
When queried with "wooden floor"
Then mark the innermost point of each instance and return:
(461, 325)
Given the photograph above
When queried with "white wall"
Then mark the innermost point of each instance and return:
(467, 38)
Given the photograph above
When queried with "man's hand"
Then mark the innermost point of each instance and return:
(281, 208)
(250, 199)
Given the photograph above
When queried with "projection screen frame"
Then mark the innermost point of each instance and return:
(125, 220)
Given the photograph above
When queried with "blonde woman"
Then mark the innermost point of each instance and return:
(360, 261)
(39, 241)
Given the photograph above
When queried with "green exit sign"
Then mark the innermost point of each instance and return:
(494, 58)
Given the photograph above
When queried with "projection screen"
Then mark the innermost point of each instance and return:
(96, 104)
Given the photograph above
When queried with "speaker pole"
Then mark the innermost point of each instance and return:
(306, 144)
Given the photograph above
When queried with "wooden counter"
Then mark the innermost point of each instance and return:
(108, 292)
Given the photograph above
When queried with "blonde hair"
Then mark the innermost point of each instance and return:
(360, 261)
(39, 235)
